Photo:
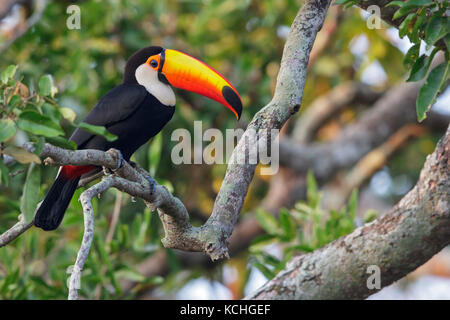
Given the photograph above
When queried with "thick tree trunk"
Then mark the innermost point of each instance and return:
(414, 230)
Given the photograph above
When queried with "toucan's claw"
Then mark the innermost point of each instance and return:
(120, 162)
(132, 164)
(152, 183)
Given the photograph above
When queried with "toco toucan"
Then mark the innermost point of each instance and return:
(135, 111)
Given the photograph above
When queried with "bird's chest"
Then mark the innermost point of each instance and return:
(146, 122)
(150, 118)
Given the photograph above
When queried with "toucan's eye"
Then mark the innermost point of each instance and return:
(154, 63)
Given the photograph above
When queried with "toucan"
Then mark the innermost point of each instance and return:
(136, 111)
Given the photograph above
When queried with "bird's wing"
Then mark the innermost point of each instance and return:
(117, 105)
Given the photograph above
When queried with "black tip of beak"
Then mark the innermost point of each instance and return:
(233, 99)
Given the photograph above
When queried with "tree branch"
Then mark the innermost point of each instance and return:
(180, 234)
(15, 231)
(212, 238)
(83, 253)
(285, 103)
(397, 243)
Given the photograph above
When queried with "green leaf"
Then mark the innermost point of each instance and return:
(408, 6)
(418, 3)
(129, 274)
(22, 155)
(428, 92)
(341, 2)
(38, 145)
(353, 204)
(411, 56)
(68, 114)
(263, 239)
(287, 224)
(62, 143)
(154, 280)
(447, 42)
(154, 154)
(403, 29)
(30, 195)
(14, 102)
(38, 124)
(51, 111)
(312, 193)
(267, 221)
(436, 29)
(370, 215)
(8, 73)
(46, 86)
(4, 174)
(268, 259)
(98, 130)
(414, 36)
(351, 3)
(420, 67)
(346, 3)
(264, 270)
(395, 3)
(7, 129)
(403, 11)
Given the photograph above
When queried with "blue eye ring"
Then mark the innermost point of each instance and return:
(154, 63)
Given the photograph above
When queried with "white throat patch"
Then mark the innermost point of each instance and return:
(148, 77)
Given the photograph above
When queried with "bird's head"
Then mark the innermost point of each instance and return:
(157, 69)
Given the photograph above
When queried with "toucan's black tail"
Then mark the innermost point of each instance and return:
(51, 212)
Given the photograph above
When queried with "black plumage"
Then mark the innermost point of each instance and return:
(128, 111)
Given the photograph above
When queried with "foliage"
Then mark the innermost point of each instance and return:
(242, 39)
(425, 23)
(39, 117)
(428, 20)
(302, 229)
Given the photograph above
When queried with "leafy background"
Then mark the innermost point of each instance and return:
(52, 76)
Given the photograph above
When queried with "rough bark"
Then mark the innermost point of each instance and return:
(213, 237)
(180, 234)
(286, 102)
(288, 187)
(412, 232)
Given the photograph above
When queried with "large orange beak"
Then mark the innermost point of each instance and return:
(185, 72)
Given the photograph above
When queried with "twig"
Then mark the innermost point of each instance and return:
(212, 238)
(15, 231)
(88, 213)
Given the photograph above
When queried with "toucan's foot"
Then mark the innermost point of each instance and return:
(133, 164)
(120, 162)
(152, 183)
